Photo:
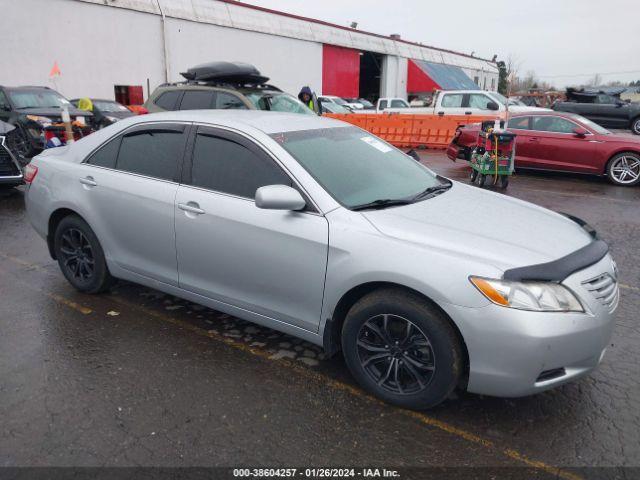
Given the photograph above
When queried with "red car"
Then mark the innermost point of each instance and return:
(563, 142)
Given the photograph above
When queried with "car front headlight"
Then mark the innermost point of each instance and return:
(534, 296)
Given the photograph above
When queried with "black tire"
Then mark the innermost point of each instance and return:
(473, 175)
(624, 169)
(80, 256)
(504, 181)
(482, 178)
(635, 126)
(441, 350)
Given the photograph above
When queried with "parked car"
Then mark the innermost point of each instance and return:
(30, 110)
(563, 142)
(226, 86)
(321, 230)
(455, 102)
(602, 107)
(331, 107)
(105, 112)
(354, 103)
(10, 169)
(366, 104)
(327, 99)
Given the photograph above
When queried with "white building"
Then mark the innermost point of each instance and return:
(125, 47)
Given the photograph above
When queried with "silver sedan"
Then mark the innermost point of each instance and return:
(321, 230)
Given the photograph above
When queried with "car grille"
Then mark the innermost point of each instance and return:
(7, 167)
(605, 289)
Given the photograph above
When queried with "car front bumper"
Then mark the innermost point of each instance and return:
(514, 353)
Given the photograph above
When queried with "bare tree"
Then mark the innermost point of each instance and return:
(595, 81)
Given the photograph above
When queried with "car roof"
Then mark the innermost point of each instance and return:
(267, 122)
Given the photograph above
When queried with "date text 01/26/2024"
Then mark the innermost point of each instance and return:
(315, 472)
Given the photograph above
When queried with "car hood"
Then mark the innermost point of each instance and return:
(469, 222)
(5, 127)
(618, 138)
(54, 112)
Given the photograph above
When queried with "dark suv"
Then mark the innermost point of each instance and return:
(223, 85)
(33, 109)
(605, 107)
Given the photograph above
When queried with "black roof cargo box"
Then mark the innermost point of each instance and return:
(225, 72)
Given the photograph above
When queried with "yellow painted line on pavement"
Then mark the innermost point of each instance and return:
(69, 303)
(629, 287)
(335, 384)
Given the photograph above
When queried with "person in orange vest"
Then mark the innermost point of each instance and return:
(309, 98)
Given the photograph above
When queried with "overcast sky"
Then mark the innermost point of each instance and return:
(565, 42)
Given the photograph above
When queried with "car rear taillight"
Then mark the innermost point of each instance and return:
(30, 172)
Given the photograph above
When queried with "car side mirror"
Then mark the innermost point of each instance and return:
(580, 132)
(279, 197)
(5, 108)
(493, 106)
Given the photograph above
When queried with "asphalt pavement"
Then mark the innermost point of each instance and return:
(135, 377)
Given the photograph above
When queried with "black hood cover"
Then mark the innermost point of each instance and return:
(230, 72)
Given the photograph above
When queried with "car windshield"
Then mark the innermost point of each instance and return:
(500, 98)
(357, 168)
(278, 102)
(111, 107)
(591, 125)
(37, 99)
(365, 103)
(339, 101)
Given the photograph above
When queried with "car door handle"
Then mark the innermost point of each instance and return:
(534, 139)
(440, 113)
(191, 207)
(89, 181)
(467, 113)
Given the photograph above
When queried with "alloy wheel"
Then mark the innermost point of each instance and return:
(77, 254)
(396, 354)
(625, 169)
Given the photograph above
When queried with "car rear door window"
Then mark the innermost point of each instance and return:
(106, 155)
(553, 124)
(224, 165)
(228, 101)
(168, 100)
(452, 100)
(197, 100)
(154, 153)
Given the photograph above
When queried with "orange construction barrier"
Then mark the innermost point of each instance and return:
(403, 130)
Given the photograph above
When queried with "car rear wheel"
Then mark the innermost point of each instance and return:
(624, 169)
(402, 349)
(635, 126)
(80, 256)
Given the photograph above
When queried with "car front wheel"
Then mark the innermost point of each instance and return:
(624, 169)
(80, 256)
(401, 348)
(635, 126)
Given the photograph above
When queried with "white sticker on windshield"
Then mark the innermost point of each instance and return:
(376, 144)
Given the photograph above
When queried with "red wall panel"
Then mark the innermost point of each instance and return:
(418, 81)
(340, 71)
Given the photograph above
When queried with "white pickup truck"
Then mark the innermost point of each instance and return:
(455, 102)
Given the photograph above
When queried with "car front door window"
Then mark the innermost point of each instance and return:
(479, 101)
(553, 124)
(452, 100)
